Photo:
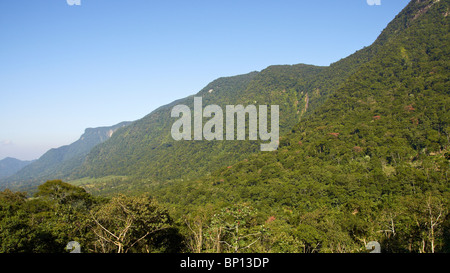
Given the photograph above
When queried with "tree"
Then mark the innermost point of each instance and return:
(29, 225)
(126, 223)
(197, 235)
(64, 193)
(236, 228)
(424, 221)
(437, 211)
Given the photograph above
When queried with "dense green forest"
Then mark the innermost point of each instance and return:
(60, 213)
(364, 156)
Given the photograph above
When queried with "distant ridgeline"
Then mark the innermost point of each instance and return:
(59, 161)
(10, 166)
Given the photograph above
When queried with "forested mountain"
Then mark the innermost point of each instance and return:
(146, 149)
(370, 163)
(9, 166)
(364, 156)
(59, 161)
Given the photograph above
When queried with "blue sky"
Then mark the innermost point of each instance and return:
(65, 68)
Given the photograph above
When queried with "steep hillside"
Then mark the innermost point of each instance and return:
(147, 152)
(371, 163)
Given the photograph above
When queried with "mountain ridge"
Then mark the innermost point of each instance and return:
(286, 85)
(59, 160)
(384, 60)
(9, 166)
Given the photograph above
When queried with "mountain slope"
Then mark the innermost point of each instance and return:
(9, 166)
(370, 163)
(56, 162)
(146, 150)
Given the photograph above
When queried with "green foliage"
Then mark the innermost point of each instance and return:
(61, 213)
(35, 225)
(64, 193)
(370, 163)
(126, 224)
(235, 228)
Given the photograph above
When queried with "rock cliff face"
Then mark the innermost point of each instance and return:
(425, 8)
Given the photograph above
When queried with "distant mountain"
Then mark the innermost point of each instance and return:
(10, 166)
(55, 162)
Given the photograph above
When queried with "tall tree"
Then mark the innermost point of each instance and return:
(126, 223)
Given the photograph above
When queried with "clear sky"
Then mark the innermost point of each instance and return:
(66, 68)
